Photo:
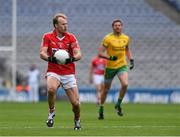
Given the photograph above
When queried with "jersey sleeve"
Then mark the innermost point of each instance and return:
(45, 41)
(105, 41)
(93, 61)
(74, 42)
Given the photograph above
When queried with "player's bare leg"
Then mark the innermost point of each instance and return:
(52, 85)
(124, 84)
(98, 94)
(103, 99)
(73, 95)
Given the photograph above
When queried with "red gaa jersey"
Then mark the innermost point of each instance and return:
(98, 65)
(54, 43)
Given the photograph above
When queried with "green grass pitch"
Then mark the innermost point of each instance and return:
(28, 119)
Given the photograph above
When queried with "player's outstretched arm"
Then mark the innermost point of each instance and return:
(103, 54)
(130, 57)
(91, 73)
(131, 64)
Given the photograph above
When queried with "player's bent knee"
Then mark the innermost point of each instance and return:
(105, 91)
(75, 104)
(125, 86)
(51, 91)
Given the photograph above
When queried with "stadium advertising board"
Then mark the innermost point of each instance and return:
(135, 95)
(143, 95)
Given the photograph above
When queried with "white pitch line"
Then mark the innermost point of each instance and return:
(91, 136)
(92, 127)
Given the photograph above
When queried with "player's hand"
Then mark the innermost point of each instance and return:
(52, 59)
(69, 60)
(131, 64)
(113, 58)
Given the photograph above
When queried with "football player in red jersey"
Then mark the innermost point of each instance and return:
(61, 75)
(96, 76)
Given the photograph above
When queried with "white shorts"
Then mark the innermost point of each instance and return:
(98, 79)
(67, 81)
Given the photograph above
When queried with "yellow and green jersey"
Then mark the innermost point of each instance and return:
(116, 46)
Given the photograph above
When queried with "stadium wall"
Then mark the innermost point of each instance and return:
(136, 95)
(133, 95)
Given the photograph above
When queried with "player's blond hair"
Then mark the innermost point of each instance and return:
(56, 16)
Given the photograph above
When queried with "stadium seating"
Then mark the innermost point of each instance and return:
(155, 37)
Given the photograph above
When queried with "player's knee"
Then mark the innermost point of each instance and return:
(76, 104)
(75, 107)
(51, 90)
(125, 86)
(106, 90)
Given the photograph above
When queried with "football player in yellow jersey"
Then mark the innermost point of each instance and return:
(115, 48)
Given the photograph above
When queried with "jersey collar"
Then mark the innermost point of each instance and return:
(55, 34)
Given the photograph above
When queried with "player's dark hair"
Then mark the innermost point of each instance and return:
(56, 16)
(116, 20)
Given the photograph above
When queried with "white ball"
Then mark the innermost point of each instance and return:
(61, 56)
